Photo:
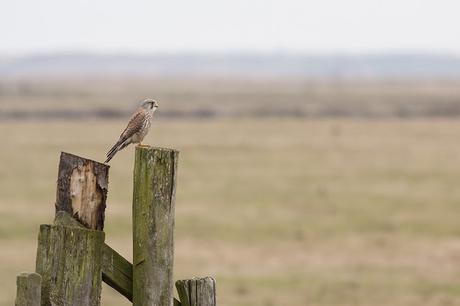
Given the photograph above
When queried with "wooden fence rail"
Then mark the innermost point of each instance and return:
(73, 259)
(117, 272)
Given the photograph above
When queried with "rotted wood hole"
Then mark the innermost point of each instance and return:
(82, 189)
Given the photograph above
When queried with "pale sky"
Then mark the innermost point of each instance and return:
(348, 26)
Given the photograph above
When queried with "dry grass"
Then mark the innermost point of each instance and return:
(220, 97)
(330, 212)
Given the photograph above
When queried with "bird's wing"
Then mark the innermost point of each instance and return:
(134, 125)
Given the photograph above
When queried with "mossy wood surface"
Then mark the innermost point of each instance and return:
(28, 289)
(153, 223)
(69, 261)
(117, 272)
(197, 291)
(64, 219)
(82, 189)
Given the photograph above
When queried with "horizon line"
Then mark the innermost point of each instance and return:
(235, 52)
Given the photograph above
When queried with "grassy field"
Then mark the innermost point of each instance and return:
(280, 211)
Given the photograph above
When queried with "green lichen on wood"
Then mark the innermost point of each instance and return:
(69, 261)
(117, 272)
(28, 289)
(153, 223)
(65, 219)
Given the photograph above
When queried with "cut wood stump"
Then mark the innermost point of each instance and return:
(69, 260)
(82, 189)
(197, 291)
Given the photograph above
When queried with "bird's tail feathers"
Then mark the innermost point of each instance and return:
(110, 156)
(123, 145)
(114, 148)
(117, 147)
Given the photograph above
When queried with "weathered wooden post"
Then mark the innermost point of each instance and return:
(69, 261)
(82, 189)
(69, 258)
(72, 258)
(197, 291)
(28, 289)
(153, 222)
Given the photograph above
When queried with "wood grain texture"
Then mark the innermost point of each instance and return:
(28, 289)
(82, 189)
(153, 223)
(197, 291)
(69, 259)
(117, 272)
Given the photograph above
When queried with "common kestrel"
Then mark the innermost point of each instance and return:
(137, 128)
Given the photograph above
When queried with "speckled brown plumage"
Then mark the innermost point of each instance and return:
(137, 128)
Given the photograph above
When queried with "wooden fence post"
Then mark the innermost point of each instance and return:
(69, 261)
(197, 291)
(82, 189)
(153, 222)
(72, 258)
(28, 289)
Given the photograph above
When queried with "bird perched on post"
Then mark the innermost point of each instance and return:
(137, 128)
